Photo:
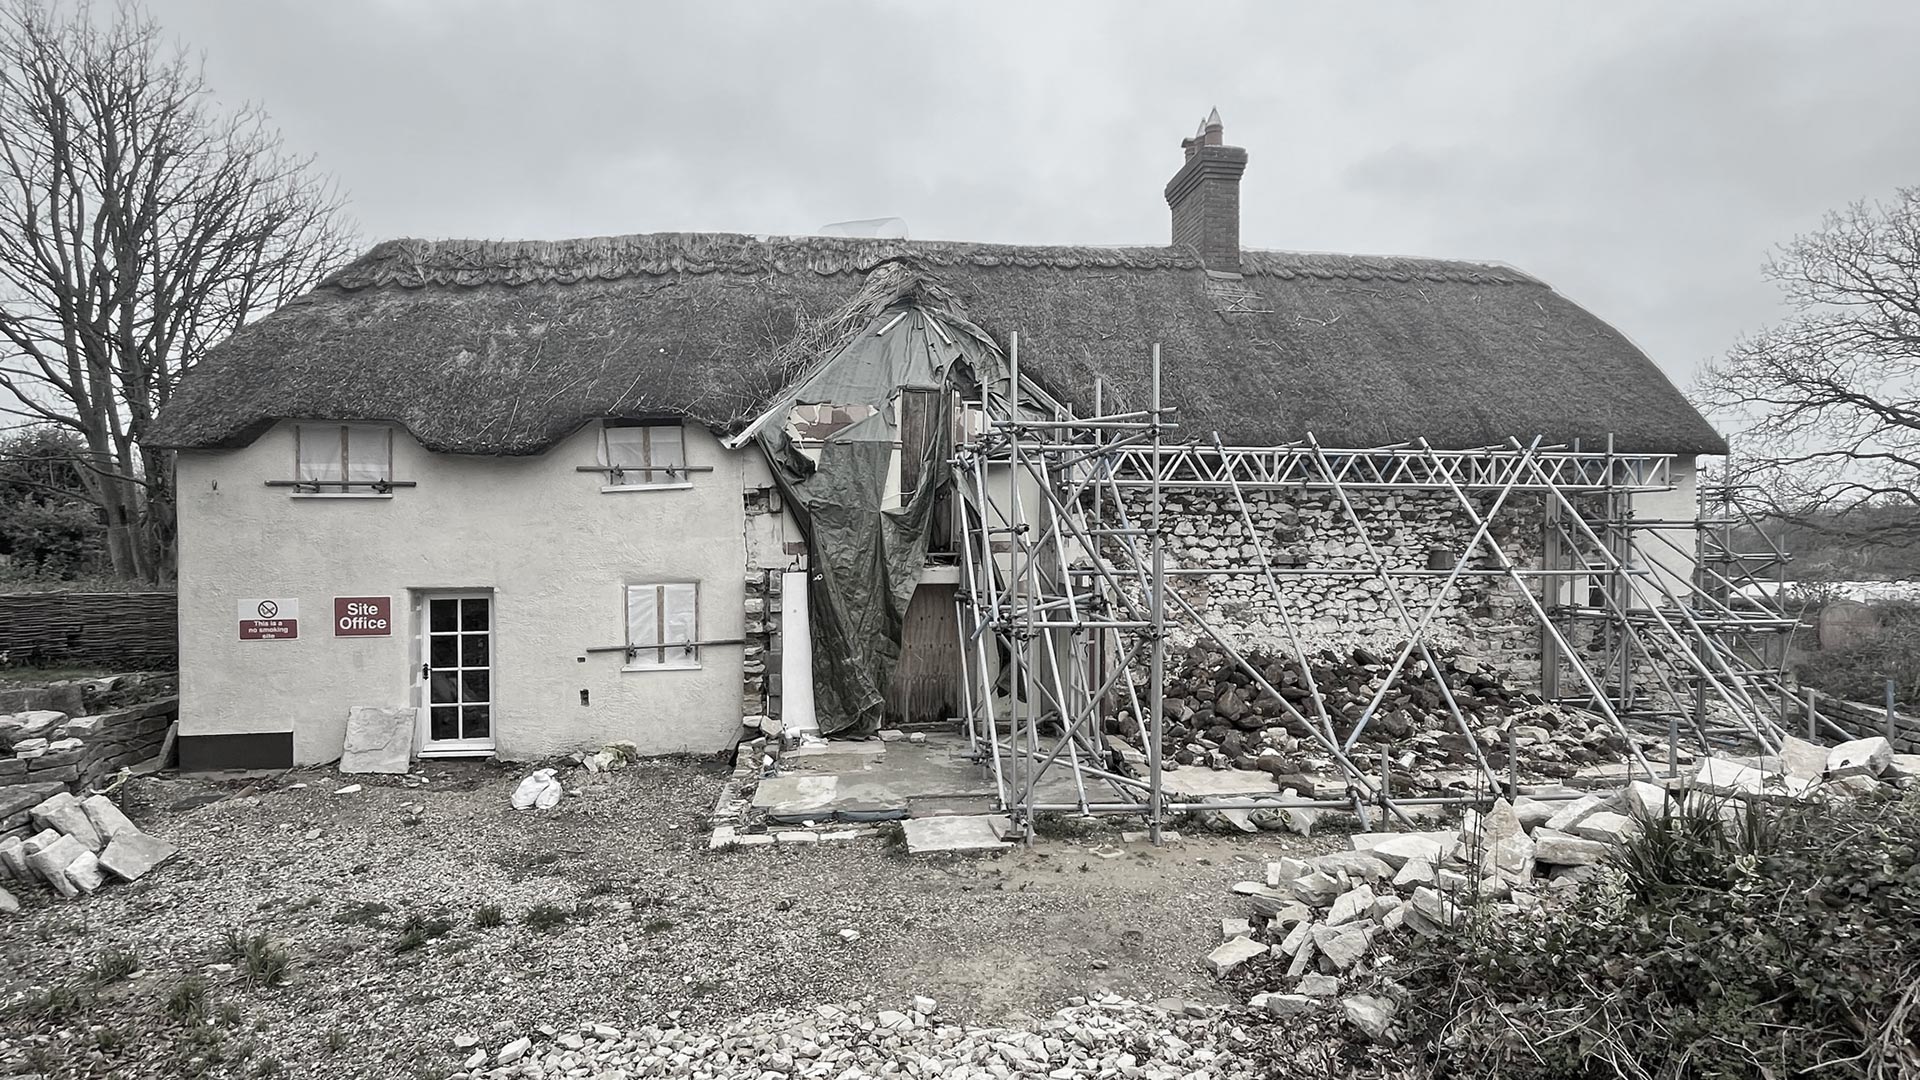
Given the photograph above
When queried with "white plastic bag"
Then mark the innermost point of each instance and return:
(532, 791)
(549, 795)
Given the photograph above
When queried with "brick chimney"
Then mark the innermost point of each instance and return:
(1205, 197)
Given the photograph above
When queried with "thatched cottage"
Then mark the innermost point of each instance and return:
(511, 484)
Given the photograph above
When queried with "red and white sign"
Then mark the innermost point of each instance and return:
(276, 619)
(363, 616)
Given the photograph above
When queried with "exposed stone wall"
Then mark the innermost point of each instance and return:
(1303, 531)
(52, 751)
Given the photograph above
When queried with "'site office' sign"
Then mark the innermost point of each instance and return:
(363, 616)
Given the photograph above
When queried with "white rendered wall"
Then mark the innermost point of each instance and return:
(555, 551)
(1671, 553)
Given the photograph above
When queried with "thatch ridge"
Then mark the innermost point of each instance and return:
(505, 347)
(412, 263)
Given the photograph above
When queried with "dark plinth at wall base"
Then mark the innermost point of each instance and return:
(252, 750)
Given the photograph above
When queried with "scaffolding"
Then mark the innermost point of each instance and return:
(1068, 597)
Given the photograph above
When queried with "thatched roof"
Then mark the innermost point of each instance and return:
(506, 347)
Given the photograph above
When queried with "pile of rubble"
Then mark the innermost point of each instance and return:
(1330, 917)
(79, 843)
(1218, 716)
(1108, 1036)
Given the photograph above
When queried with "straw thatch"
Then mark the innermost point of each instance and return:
(505, 347)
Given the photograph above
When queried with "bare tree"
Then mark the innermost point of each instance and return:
(138, 226)
(1825, 407)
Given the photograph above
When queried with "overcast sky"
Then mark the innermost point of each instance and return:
(1641, 157)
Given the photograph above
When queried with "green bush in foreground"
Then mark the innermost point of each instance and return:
(1786, 944)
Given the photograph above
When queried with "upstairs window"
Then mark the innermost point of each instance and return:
(343, 458)
(663, 622)
(638, 453)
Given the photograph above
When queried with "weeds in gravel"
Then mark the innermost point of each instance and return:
(42, 1060)
(363, 913)
(419, 929)
(187, 1000)
(488, 916)
(893, 835)
(657, 926)
(546, 917)
(112, 964)
(107, 1038)
(261, 962)
(603, 887)
(52, 1003)
(528, 863)
(336, 1040)
(268, 1066)
(229, 1013)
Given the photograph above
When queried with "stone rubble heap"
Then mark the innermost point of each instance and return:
(79, 843)
(1108, 1036)
(1218, 716)
(1329, 917)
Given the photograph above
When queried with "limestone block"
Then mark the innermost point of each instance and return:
(1350, 905)
(1561, 849)
(1803, 759)
(1235, 928)
(84, 871)
(1570, 814)
(1315, 889)
(1343, 946)
(1231, 954)
(378, 740)
(63, 813)
(1398, 849)
(8, 905)
(51, 863)
(1355, 864)
(1861, 757)
(13, 858)
(1369, 1013)
(1606, 827)
(1415, 872)
(132, 854)
(107, 819)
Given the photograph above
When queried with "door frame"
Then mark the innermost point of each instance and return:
(423, 709)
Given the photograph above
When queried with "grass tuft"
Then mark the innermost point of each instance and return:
(112, 964)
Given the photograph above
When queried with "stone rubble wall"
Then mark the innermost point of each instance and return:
(76, 753)
(1411, 530)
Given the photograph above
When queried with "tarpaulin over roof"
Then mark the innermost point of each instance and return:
(867, 560)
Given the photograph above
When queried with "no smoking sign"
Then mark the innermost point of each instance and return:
(276, 619)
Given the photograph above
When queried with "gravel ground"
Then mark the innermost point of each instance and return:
(650, 928)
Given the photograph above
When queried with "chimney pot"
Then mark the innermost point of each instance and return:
(1204, 196)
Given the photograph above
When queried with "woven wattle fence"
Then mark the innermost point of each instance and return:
(123, 631)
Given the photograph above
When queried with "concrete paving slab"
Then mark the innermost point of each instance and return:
(796, 794)
(953, 834)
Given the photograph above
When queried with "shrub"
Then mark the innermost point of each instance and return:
(1777, 948)
(488, 916)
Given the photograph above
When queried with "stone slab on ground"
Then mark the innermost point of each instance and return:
(1398, 849)
(1231, 954)
(794, 794)
(1197, 783)
(975, 833)
(130, 855)
(378, 740)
